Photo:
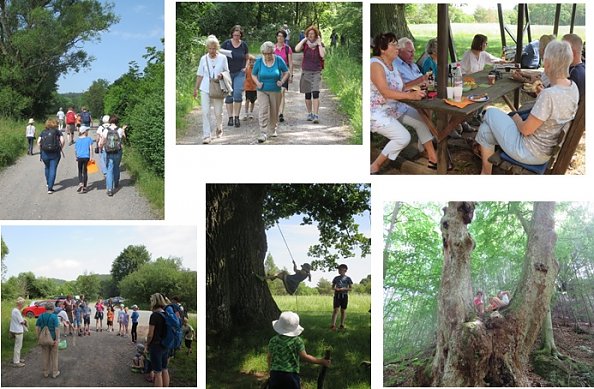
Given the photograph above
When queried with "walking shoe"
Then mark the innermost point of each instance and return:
(56, 374)
(206, 140)
(309, 116)
(341, 327)
(274, 134)
(251, 115)
(262, 138)
(50, 191)
(20, 364)
(45, 375)
(79, 188)
(219, 132)
(316, 119)
(230, 122)
(245, 117)
(237, 124)
(281, 118)
(109, 193)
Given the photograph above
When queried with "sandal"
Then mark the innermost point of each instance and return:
(433, 165)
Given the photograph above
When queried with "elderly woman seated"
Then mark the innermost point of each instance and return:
(532, 141)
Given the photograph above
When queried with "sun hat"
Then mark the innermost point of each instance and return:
(83, 129)
(31, 121)
(287, 324)
(105, 119)
(134, 306)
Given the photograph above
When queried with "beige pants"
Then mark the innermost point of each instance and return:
(50, 359)
(217, 104)
(268, 116)
(18, 345)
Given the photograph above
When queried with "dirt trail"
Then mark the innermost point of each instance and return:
(333, 128)
(23, 193)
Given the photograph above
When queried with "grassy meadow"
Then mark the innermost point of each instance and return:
(244, 356)
(13, 142)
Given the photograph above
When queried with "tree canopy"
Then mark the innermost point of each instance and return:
(128, 261)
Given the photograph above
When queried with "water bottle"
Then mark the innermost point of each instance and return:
(458, 79)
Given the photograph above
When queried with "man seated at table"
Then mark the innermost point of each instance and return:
(532, 141)
(406, 66)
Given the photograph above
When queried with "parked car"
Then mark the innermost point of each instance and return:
(35, 310)
(115, 300)
(59, 299)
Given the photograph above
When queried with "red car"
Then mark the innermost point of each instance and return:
(35, 310)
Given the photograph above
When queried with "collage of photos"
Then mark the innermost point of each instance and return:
(147, 240)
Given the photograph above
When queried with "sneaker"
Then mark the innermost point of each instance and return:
(80, 187)
(110, 194)
(262, 138)
(230, 122)
(20, 364)
(316, 118)
(281, 118)
(245, 117)
(50, 191)
(237, 123)
(309, 116)
(219, 132)
(251, 115)
(206, 140)
(274, 134)
(45, 375)
(56, 374)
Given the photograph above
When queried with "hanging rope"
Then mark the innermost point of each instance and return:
(284, 240)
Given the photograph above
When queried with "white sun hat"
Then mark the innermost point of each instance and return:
(287, 324)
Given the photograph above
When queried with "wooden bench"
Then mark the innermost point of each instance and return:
(569, 138)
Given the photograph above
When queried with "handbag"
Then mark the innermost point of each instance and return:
(92, 167)
(45, 337)
(214, 87)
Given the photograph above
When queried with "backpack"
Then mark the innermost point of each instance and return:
(113, 142)
(85, 117)
(173, 329)
(45, 336)
(70, 117)
(50, 141)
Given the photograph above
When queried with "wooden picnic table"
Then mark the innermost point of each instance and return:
(449, 116)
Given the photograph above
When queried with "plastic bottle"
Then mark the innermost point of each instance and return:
(430, 82)
(458, 79)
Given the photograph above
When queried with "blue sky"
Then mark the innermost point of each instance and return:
(67, 251)
(299, 238)
(141, 25)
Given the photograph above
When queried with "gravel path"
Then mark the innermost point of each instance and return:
(23, 193)
(333, 128)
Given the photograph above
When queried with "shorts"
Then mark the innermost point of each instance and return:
(110, 323)
(99, 315)
(159, 357)
(70, 318)
(87, 320)
(76, 322)
(341, 300)
(251, 95)
(188, 343)
(310, 82)
(70, 128)
(284, 380)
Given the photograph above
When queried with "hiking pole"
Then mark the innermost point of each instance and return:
(323, 370)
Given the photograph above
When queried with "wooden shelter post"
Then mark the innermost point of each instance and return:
(573, 11)
(519, 45)
(557, 17)
(443, 34)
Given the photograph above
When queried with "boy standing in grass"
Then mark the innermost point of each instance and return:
(188, 332)
(284, 352)
(341, 284)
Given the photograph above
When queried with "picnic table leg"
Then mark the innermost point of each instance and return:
(442, 146)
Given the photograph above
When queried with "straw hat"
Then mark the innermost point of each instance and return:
(31, 121)
(105, 119)
(287, 324)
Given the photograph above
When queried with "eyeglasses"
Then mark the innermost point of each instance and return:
(237, 35)
(393, 44)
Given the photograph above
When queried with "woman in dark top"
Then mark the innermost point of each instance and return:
(157, 328)
(237, 64)
(311, 71)
(50, 143)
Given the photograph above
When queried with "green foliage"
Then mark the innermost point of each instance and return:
(108, 287)
(93, 98)
(150, 185)
(343, 74)
(3, 252)
(29, 338)
(12, 140)
(128, 261)
(89, 285)
(32, 59)
(165, 276)
(324, 287)
(332, 206)
(485, 15)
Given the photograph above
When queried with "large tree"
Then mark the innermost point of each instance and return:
(40, 41)
(236, 220)
(495, 350)
(389, 18)
(129, 260)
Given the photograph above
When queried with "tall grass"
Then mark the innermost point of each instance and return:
(343, 74)
(12, 141)
(244, 356)
(7, 345)
(183, 366)
(149, 184)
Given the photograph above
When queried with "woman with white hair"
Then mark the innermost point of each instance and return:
(532, 141)
(270, 72)
(430, 61)
(210, 70)
(157, 328)
(18, 326)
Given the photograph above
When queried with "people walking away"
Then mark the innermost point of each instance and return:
(188, 331)
(83, 151)
(159, 354)
(311, 71)
(210, 71)
(50, 143)
(70, 124)
(237, 65)
(85, 118)
(18, 326)
(287, 34)
(100, 150)
(99, 315)
(333, 39)
(60, 116)
(250, 89)
(111, 142)
(284, 51)
(285, 350)
(134, 317)
(270, 73)
(341, 284)
(49, 351)
(30, 134)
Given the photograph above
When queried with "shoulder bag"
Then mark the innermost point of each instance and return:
(45, 337)
(214, 86)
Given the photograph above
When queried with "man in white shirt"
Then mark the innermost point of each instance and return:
(61, 116)
(17, 327)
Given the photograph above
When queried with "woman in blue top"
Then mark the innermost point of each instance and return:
(83, 149)
(49, 353)
(270, 73)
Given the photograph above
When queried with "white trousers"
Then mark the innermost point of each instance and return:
(217, 104)
(18, 345)
(399, 135)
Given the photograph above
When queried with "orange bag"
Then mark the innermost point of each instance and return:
(92, 167)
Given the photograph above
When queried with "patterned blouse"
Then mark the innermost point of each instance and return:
(382, 109)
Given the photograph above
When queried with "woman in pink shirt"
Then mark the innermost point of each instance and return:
(311, 71)
(284, 51)
(99, 315)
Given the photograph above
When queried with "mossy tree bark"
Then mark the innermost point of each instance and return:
(495, 351)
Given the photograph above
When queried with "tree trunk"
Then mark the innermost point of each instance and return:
(235, 250)
(389, 18)
(548, 336)
(493, 352)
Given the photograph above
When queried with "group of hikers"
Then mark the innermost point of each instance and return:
(286, 348)
(168, 325)
(108, 141)
(528, 136)
(228, 69)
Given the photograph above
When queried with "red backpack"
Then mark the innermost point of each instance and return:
(70, 117)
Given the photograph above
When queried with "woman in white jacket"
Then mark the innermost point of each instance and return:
(211, 66)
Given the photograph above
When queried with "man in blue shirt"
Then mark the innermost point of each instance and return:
(577, 69)
(405, 63)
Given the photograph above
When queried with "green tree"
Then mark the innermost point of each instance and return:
(40, 41)
(4, 251)
(89, 285)
(485, 15)
(324, 287)
(128, 261)
(93, 98)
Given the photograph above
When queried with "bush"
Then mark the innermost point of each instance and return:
(12, 141)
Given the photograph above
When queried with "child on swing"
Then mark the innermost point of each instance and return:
(291, 281)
